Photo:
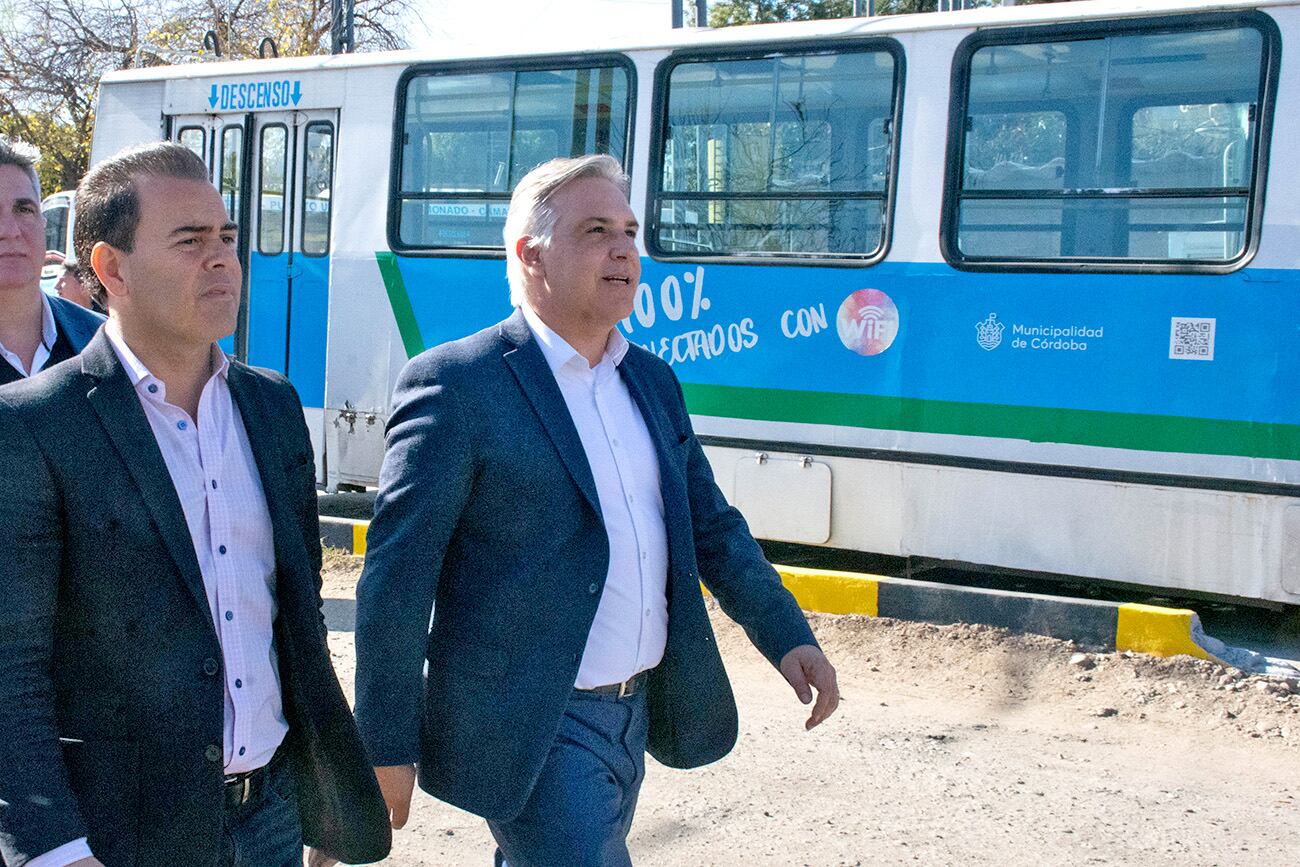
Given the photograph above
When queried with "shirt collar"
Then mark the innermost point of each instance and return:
(559, 353)
(139, 374)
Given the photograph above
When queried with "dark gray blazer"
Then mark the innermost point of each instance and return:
(111, 700)
(487, 507)
(75, 326)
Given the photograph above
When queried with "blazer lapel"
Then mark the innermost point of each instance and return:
(661, 430)
(118, 406)
(538, 384)
(258, 418)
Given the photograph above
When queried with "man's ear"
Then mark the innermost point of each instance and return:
(529, 251)
(106, 261)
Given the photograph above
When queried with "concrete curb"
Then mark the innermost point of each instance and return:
(1112, 625)
(345, 534)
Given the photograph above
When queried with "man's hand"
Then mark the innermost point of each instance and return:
(806, 668)
(317, 858)
(397, 782)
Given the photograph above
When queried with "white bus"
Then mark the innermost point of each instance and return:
(1012, 287)
(57, 209)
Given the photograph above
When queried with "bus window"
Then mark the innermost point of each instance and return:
(231, 175)
(318, 181)
(468, 137)
(1123, 147)
(56, 227)
(192, 138)
(777, 155)
(271, 209)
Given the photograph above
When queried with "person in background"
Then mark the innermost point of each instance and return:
(70, 288)
(36, 331)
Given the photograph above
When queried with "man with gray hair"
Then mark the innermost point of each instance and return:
(36, 331)
(544, 495)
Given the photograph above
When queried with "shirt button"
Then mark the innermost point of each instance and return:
(214, 484)
(230, 615)
(241, 751)
(221, 549)
(592, 588)
(153, 389)
(644, 555)
(180, 425)
(212, 753)
(210, 667)
(614, 441)
(239, 684)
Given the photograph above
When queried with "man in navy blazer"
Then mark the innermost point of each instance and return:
(36, 331)
(544, 495)
(166, 691)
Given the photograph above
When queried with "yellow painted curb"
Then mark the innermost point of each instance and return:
(832, 592)
(359, 538)
(1155, 630)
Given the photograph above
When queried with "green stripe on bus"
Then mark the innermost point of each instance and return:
(400, 301)
(1154, 433)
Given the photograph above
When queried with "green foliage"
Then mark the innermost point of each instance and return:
(732, 12)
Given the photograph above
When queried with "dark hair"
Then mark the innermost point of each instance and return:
(21, 156)
(108, 201)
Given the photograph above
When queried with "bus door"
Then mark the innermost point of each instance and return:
(275, 171)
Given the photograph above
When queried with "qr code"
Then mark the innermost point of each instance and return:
(1191, 339)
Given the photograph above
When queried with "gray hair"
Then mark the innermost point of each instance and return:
(22, 156)
(531, 214)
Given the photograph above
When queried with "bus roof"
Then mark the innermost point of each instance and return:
(668, 39)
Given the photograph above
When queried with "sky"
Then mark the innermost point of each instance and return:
(483, 22)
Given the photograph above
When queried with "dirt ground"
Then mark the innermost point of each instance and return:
(955, 745)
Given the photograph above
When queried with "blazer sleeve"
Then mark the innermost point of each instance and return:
(38, 811)
(423, 487)
(731, 563)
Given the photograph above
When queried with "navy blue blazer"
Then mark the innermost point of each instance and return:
(75, 326)
(488, 513)
(111, 703)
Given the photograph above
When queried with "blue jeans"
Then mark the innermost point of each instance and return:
(266, 830)
(580, 811)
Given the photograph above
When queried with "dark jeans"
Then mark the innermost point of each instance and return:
(266, 830)
(580, 811)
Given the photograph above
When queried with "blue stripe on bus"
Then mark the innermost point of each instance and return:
(1073, 341)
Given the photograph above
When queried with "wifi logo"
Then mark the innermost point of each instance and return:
(867, 322)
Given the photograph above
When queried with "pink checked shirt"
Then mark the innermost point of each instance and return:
(216, 479)
(212, 468)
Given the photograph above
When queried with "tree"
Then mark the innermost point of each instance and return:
(53, 53)
(731, 12)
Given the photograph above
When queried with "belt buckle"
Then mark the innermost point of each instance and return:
(624, 687)
(245, 786)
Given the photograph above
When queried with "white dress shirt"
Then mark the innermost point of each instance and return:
(49, 334)
(216, 479)
(630, 631)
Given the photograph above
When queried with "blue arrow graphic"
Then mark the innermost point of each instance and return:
(212, 99)
(297, 92)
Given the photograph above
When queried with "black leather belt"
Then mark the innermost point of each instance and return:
(243, 787)
(622, 690)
